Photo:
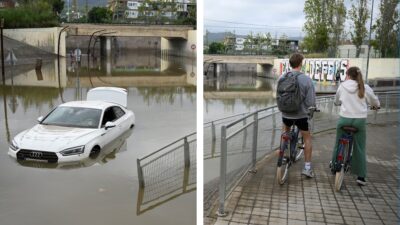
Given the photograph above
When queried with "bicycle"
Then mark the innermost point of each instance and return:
(290, 140)
(344, 155)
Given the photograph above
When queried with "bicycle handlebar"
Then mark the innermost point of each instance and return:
(312, 109)
(374, 107)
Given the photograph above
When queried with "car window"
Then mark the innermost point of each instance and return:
(118, 112)
(73, 117)
(109, 115)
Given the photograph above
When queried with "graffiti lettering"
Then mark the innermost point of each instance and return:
(321, 69)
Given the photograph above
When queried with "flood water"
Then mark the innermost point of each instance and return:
(235, 93)
(104, 190)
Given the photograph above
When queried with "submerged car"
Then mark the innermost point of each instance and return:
(76, 130)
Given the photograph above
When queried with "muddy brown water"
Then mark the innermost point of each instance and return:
(102, 191)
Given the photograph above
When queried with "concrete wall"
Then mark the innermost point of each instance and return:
(180, 47)
(43, 38)
(326, 68)
(47, 77)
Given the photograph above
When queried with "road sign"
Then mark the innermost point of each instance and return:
(274, 70)
(193, 46)
(11, 58)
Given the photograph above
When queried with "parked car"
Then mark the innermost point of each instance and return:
(76, 130)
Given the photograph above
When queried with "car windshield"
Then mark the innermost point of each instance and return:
(73, 117)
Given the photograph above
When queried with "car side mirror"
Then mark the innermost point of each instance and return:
(109, 125)
(39, 119)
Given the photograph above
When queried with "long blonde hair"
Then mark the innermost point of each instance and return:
(355, 74)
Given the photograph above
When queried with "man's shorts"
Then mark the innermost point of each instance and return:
(302, 123)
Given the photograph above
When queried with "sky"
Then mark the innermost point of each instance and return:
(243, 16)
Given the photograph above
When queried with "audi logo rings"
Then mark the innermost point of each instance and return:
(36, 154)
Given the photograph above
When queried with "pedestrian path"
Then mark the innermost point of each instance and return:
(258, 199)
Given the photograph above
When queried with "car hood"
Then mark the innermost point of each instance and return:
(52, 138)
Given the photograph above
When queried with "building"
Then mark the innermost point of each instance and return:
(133, 9)
(350, 50)
(4, 4)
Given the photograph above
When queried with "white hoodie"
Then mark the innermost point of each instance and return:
(351, 105)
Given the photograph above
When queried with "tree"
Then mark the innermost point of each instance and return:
(336, 16)
(58, 6)
(316, 28)
(249, 42)
(387, 29)
(216, 48)
(268, 41)
(359, 15)
(99, 15)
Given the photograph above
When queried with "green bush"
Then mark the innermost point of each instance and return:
(39, 14)
(99, 15)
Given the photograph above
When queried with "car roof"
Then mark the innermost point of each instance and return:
(89, 104)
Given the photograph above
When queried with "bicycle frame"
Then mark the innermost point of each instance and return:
(289, 138)
(344, 153)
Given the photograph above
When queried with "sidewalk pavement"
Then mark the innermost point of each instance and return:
(258, 199)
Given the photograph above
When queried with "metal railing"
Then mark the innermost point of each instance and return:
(167, 173)
(250, 137)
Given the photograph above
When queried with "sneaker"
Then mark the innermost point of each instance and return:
(308, 173)
(361, 181)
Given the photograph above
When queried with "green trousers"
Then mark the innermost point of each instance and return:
(358, 160)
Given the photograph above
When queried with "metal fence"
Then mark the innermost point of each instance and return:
(167, 173)
(243, 140)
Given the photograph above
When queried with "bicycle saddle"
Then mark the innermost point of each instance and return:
(349, 129)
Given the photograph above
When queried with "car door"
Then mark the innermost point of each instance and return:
(109, 134)
(121, 119)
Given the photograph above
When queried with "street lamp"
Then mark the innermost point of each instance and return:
(2, 51)
(90, 40)
(369, 42)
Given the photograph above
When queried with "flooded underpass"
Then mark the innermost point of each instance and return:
(237, 89)
(103, 190)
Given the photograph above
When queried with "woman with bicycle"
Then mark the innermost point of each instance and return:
(353, 96)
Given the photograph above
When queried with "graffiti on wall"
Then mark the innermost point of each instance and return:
(320, 69)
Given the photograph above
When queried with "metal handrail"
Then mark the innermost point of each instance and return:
(159, 150)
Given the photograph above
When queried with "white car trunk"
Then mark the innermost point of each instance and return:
(108, 94)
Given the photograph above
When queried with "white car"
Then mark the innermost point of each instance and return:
(73, 131)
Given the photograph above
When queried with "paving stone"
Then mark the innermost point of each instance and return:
(259, 200)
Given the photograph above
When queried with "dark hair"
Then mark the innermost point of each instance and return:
(295, 60)
(355, 74)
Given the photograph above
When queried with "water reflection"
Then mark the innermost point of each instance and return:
(162, 98)
(238, 81)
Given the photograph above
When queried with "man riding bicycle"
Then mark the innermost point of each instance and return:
(298, 115)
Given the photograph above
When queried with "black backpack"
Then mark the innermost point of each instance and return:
(288, 94)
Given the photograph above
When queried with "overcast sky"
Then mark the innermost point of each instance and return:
(276, 17)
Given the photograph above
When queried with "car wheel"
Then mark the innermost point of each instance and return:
(94, 152)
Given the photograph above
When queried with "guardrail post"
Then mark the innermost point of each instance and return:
(213, 132)
(254, 147)
(386, 104)
(140, 174)
(186, 153)
(273, 118)
(213, 139)
(244, 135)
(273, 128)
(222, 181)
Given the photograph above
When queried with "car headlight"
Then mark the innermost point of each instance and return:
(73, 151)
(14, 146)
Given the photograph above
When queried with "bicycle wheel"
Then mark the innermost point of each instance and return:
(282, 173)
(342, 159)
(339, 179)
